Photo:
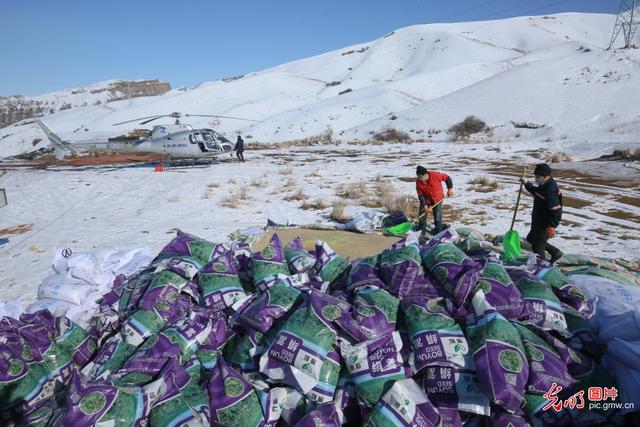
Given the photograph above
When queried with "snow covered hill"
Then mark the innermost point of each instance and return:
(545, 70)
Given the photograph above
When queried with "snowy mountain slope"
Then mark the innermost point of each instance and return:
(549, 70)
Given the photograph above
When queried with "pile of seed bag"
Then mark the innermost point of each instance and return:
(443, 334)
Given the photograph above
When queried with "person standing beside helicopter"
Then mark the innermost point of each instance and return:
(240, 149)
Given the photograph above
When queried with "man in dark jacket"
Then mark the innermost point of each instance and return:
(240, 149)
(430, 195)
(547, 212)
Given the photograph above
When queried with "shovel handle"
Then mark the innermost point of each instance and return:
(428, 209)
(515, 212)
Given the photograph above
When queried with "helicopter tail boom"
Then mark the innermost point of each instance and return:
(60, 146)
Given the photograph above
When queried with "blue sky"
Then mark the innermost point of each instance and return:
(55, 44)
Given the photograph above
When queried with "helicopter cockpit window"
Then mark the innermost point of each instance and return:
(208, 137)
(194, 138)
(221, 138)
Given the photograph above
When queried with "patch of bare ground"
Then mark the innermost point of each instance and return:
(98, 159)
(15, 230)
(618, 214)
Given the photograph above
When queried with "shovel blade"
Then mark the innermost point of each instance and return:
(400, 230)
(511, 245)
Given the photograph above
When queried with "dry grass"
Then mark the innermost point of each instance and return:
(353, 191)
(297, 196)
(317, 204)
(315, 173)
(393, 135)
(383, 187)
(286, 171)
(234, 199)
(338, 212)
(484, 184)
(366, 142)
(174, 199)
(208, 189)
(255, 182)
(401, 203)
(469, 126)
(626, 154)
(231, 180)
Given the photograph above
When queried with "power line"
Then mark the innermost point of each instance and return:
(461, 12)
(527, 3)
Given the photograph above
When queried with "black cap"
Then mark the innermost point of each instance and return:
(421, 170)
(542, 169)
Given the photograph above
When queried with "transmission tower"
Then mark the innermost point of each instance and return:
(627, 22)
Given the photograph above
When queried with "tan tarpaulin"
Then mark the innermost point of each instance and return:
(347, 244)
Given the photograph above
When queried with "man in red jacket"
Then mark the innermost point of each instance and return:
(430, 193)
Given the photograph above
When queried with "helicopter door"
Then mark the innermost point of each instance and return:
(196, 138)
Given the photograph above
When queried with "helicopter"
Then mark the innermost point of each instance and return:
(175, 141)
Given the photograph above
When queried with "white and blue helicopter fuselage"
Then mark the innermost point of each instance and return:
(178, 141)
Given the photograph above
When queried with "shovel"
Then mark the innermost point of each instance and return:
(511, 239)
(402, 229)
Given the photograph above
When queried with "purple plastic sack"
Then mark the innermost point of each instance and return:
(219, 284)
(500, 290)
(269, 264)
(453, 389)
(324, 390)
(374, 365)
(546, 367)
(185, 244)
(329, 265)
(373, 313)
(454, 270)
(405, 404)
(401, 268)
(147, 362)
(427, 286)
(361, 272)
(260, 311)
(170, 306)
(233, 400)
(100, 402)
(321, 416)
(498, 355)
(220, 333)
(567, 292)
(304, 341)
(164, 284)
(542, 306)
(110, 357)
(298, 260)
(436, 339)
(183, 402)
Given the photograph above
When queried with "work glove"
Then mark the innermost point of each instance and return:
(551, 231)
(450, 192)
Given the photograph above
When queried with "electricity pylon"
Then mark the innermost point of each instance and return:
(627, 21)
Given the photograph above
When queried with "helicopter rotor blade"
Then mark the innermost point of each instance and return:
(222, 117)
(135, 120)
(155, 118)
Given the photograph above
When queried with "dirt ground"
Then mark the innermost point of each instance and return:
(347, 244)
